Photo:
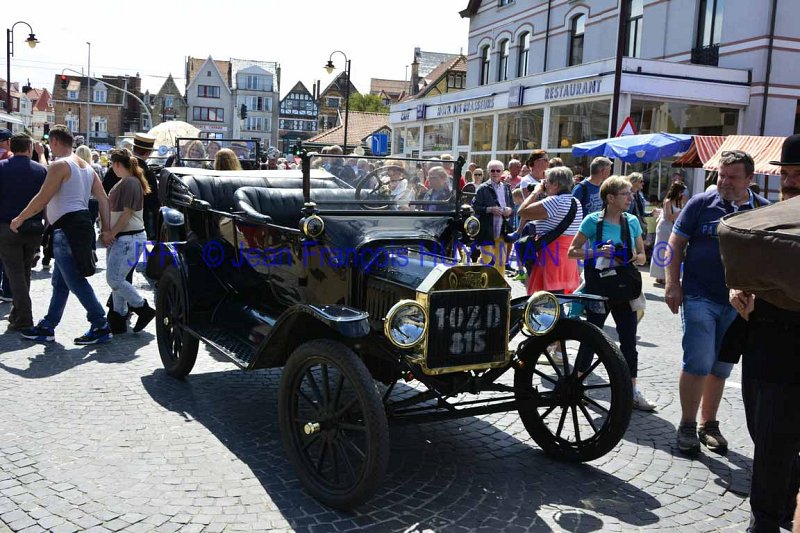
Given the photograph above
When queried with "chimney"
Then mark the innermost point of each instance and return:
(415, 76)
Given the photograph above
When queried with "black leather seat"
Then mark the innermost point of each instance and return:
(285, 206)
(218, 191)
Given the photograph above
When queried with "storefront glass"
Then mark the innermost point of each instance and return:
(577, 123)
(482, 134)
(677, 117)
(520, 131)
(438, 137)
(463, 132)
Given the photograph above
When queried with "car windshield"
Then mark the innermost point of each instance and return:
(384, 185)
(201, 153)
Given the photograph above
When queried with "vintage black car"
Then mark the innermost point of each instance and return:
(370, 301)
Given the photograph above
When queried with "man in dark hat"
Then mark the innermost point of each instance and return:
(771, 385)
(790, 167)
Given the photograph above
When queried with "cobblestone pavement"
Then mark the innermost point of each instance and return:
(100, 439)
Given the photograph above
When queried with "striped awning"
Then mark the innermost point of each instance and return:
(762, 149)
(703, 147)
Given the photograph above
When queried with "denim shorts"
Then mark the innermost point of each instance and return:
(704, 325)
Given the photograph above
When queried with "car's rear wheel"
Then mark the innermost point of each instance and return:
(333, 424)
(176, 346)
(583, 404)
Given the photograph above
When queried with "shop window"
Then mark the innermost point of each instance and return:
(399, 140)
(521, 131)
(410, 139)
(675, 117)
(577, 28)
(633, 46)
(502, 64)
(577, 123)
(463, 132)
(485, 65)
(438, 137)
(482, 134)
(523, 49)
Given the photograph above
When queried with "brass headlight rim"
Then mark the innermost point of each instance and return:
(466, 223)
(305, 229)
(396, 308)
(526, 314)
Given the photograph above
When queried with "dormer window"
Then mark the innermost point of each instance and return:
(100, 95)
(72, 95)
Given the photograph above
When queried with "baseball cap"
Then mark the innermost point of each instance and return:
(5, 134)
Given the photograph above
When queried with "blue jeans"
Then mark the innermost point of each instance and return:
(704, 325)
(121, 257)
(66, 279)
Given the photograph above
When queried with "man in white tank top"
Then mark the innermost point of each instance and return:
(65, 196)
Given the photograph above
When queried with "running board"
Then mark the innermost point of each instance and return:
(228, 344)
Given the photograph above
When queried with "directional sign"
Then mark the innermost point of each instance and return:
(380, 144)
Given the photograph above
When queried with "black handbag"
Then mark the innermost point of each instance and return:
(32, 226)
(619, 284)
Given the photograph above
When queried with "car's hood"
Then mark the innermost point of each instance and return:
(351, 233)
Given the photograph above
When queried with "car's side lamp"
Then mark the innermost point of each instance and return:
(313, 226)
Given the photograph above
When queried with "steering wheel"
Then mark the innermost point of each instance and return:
(377, 191)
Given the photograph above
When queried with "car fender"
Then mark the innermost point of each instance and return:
(304, 322)
(162, 255)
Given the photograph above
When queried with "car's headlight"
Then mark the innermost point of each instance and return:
(406, 324)
(541, 313)
(472, 227)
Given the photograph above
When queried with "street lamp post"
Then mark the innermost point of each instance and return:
(32, 42)
(329, 69)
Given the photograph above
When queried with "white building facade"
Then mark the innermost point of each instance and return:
(255, 88)
(541, 75)
(209, 102)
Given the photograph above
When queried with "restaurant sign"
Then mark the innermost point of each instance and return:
(573, 89)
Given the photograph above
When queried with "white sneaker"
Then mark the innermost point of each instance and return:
(641, 403)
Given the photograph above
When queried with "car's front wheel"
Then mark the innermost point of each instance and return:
(580, 389)
(333, 424)
(176, 346)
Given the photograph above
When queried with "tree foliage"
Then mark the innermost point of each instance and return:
(367, 102)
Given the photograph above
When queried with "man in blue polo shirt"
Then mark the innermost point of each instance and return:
(706, 312)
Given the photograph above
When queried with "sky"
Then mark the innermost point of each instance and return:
(154, 38)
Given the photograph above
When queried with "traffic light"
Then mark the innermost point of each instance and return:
(64, 80)
(46, 128)
(243, 111)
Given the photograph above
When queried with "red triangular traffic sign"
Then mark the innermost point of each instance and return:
(627, 128)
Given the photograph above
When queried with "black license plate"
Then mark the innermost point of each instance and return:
(467, 327)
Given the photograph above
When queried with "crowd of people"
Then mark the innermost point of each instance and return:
(55, 205)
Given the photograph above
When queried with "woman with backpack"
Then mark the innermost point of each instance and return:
(612, 239)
